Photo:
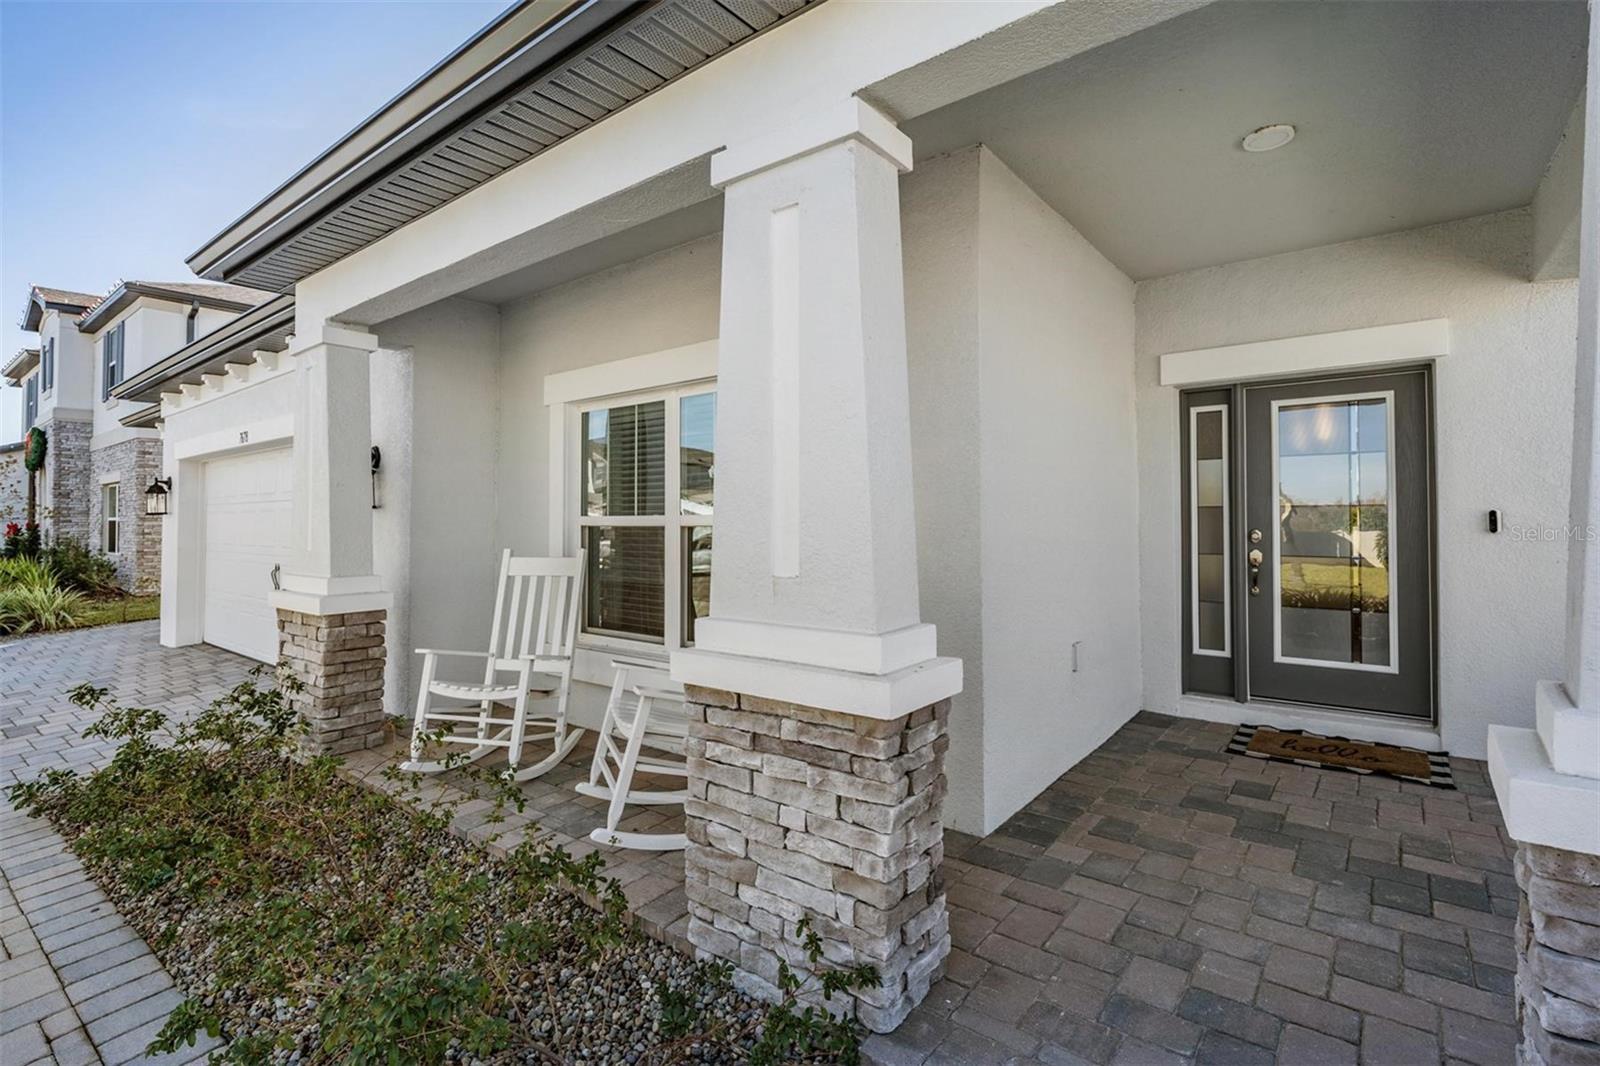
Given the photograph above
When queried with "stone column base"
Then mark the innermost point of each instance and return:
(1558, 957)
(796, 812)
(339, 659)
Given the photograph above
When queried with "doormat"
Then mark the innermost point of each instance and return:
(1341, 753)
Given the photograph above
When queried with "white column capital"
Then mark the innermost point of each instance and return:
(812, 130)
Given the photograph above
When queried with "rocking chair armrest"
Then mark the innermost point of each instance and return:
(451, 651)
(547, 658)
(655, 692)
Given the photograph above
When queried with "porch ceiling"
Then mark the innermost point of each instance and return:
(1407, 115)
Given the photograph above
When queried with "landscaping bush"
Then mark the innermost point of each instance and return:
(32, 601)
(311, 920)
(76, 567)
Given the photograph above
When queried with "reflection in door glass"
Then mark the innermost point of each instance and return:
(1334, 532)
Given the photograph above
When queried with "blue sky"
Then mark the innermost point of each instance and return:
(132, 132)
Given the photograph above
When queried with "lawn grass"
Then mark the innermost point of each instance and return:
(115, 609)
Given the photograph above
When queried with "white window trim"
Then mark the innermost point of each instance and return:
(1405, 342)
(669, 374)
(1194, 537)
(107, 520)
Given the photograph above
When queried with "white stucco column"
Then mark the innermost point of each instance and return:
(814, 591)
(1547, 779)
(818, 703)
(331, 607)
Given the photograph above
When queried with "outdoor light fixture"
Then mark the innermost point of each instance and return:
(155, 497)
(377, 461)
(1267, 138)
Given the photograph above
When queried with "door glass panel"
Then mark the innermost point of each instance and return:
(1334, 499)
(1208, 491)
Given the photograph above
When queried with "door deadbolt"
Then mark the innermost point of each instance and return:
(1255, 536)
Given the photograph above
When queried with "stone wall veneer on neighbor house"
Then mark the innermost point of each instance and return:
(68, 474)
(339, 662)
(796, 812)
(132, 465)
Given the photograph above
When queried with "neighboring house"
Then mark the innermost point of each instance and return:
(99, 457)
(1016, 320)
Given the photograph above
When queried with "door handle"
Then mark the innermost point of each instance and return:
(1255, 557)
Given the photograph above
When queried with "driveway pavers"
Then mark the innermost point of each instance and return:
(77, 984)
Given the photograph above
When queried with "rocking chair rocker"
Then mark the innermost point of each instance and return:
(529, 656)
(645, 711)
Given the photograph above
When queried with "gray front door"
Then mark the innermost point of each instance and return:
(1337, 543)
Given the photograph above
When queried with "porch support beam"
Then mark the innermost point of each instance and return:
(331, 607)
(818, 700)
(1548, 780)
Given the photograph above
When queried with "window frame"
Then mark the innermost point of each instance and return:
(30, 402)
(672, 522)
(111, 366)
(607, 384)
(111, 518)
(47, 366)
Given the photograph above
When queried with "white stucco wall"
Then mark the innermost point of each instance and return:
(442, 496)
(1059, 503)
(1020, 344)
(1503, 438)
(939, 237)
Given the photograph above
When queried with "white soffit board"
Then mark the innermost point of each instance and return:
(1405, 342)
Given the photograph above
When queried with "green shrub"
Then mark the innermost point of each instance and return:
(21, 571)
(78, 568)
(28, 608)
(322, 907)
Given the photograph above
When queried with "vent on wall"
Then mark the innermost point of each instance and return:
(659, 45)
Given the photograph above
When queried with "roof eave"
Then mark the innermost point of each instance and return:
(20, 365)
(491, 60)
(129, 292)
(210, 352)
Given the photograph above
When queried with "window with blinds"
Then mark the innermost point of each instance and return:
(111, 360)
(645, 477)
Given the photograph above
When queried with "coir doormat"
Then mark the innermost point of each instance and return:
(1341, 753)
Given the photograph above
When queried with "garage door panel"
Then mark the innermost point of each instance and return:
(247, 517)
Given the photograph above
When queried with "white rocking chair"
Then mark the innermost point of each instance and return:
(529, 656)
(645, 711)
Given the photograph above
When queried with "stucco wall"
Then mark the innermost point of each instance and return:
(1060, 503)
(1503, 439)
(446, 589)
(939, 237)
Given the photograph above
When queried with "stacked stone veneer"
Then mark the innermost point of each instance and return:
(132, 465)
(339, 661)
(69, 480)
(1558, 956)
(13, 487)
(794, 813)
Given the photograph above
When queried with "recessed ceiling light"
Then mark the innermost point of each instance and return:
(1267, 138)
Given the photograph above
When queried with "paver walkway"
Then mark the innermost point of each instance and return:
(77, 984)
(1160, 903)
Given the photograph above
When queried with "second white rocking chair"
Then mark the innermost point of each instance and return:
(643, 732)
(530, 656)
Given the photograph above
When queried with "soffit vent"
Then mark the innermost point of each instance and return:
(645, 53)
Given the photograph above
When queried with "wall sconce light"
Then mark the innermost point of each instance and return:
(377, 461)
(155, 497)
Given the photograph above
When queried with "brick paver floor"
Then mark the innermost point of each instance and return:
(1165, 903)
(1160, 903)
(77, 984)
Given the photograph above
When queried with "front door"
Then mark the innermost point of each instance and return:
(1336, 543)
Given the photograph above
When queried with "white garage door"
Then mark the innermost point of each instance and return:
(247, 501)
